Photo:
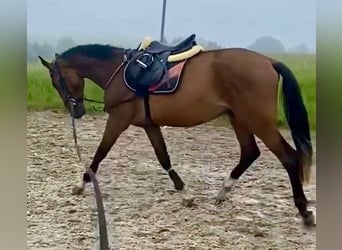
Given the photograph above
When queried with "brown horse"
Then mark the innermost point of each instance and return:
(240, 83)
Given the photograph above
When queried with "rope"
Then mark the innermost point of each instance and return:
(104, 245)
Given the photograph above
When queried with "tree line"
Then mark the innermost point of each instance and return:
(265, 44)
(35, 49)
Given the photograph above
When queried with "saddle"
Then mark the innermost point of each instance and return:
(156, 47)
(149, 65)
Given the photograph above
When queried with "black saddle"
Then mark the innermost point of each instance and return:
(156, 47)
(148, 67)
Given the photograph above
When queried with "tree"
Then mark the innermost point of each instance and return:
(176, 40)
(300, 49)
(64, 43)
(212, 45)
(207, 44)
(44, 50)
(31, 54)
(267, 44)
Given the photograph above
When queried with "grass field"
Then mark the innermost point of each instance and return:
(41, 95)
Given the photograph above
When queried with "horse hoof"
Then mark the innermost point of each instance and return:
(188, 201)
(76, 190)
(309, 221)
(220, 197)
(219, 200)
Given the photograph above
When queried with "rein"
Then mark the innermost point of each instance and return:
(114, 74)
(91, 100)
(108, 83)
(94, 101)
(104, 245)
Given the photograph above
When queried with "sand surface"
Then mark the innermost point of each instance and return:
(142, 208)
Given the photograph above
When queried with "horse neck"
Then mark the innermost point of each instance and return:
(100, 72)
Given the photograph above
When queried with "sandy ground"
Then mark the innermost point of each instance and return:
(143, 210)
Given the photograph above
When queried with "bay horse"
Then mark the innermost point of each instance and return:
(236, 82)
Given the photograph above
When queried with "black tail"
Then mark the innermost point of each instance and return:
(297, 118)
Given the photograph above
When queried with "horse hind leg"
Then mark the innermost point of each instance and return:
(290, 160)
(249, 152)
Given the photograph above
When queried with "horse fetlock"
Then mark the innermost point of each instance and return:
(86, 178)
(177, 181)
(179, 185)
(228, 184)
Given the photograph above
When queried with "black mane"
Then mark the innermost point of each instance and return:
(97, 51)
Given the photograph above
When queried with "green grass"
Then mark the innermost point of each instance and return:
(304, 68)
(42, 96)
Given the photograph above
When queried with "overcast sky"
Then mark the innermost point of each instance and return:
(229, 22)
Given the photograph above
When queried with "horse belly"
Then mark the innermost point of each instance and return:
(184, 112)
(196, 101)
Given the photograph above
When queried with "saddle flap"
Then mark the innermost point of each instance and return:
(144, 70)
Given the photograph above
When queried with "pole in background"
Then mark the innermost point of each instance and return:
(162, 38)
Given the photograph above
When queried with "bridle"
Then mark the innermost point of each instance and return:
(54, 72)
(116, 71)
(73, 101)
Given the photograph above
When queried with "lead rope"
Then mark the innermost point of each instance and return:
(104, 245)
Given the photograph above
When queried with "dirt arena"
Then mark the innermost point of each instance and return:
(143, 210)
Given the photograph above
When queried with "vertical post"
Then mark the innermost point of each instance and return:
(162, 38)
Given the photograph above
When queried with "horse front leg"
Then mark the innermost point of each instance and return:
(116, 124)
(158, 143)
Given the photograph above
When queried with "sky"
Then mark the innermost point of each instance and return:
(231, 23)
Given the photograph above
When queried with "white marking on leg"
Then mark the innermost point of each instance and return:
(83, 184)
(313, 209)
(314, 215)
(227, 185)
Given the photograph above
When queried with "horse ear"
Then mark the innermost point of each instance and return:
(44, 62)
